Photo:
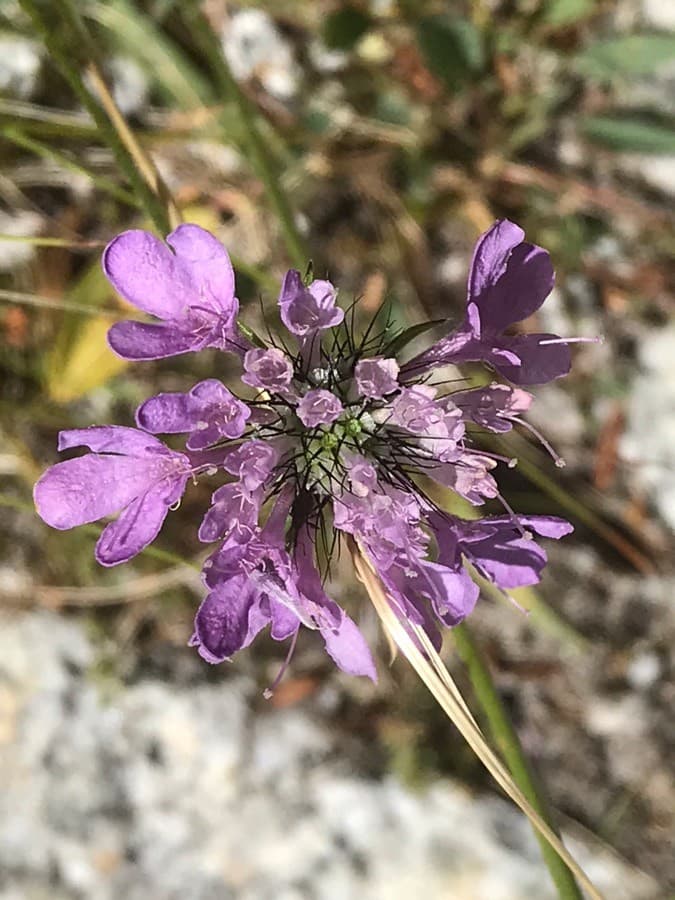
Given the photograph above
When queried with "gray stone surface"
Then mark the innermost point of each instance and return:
(648, 444)
(179, 790)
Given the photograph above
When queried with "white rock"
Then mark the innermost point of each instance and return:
(254, 46)
(648, 444)
(20, 60)
(656, 171)
(130, 84)
(19, 223)
(643, 671)
(176, 790)
(659, 14)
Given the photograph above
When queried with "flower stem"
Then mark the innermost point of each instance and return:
(70, 64)
(255, 145)
(504, 735)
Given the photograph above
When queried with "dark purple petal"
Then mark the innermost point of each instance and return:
(284, 622)
(237, 550)
(143, 340)
(496, 545)
(451, 348)
(490, 257)
(520, 291)
(165, 414)
(509, 563)
(138, 525)
(452, 592)
(222, 621)
(539, 363)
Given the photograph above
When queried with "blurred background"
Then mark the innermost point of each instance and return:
(399, 131)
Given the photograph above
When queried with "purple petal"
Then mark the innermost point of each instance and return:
(208, 265)
(252, 462)
(319, 407)
(138, 525)
(222, 621)
(165, 414)
(539, 364)
(269, 369)
(509, 563)
(521, 290)
(216, 414)
(497, 547)
(146, 273)
(232, 508)
(90, 487)
(376, 377)
(547, 526)
(348, 649)
(490, 257)
(113, 439)
(284, 622)
(143, 270)
(452, 592)
(143, 340)
(306, 310)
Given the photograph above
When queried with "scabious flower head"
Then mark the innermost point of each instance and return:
(333, 437)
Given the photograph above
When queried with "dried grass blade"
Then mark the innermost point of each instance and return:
(456, 711)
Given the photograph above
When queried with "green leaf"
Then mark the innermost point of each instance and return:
(452, 49)
(405, 337)
(629, 135)
(343, 28)
(632, 55)
(560, 13)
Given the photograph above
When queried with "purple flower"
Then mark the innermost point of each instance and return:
(319, 407)
(252, 462)
(501, 548)
(508, 282)
(377, 377)
(209, 412)
(268, 369)
(191, 289)
(438, 424)
(269, 587)
(494, 406)
(338, 438)
(362, 474)
(307, 310)
(129, 472)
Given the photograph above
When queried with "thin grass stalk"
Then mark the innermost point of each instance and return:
(141, 159)
(72, 165)
(70, 69)
(166, 556)
(260, 160)
(428, 665)
(507, 741)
